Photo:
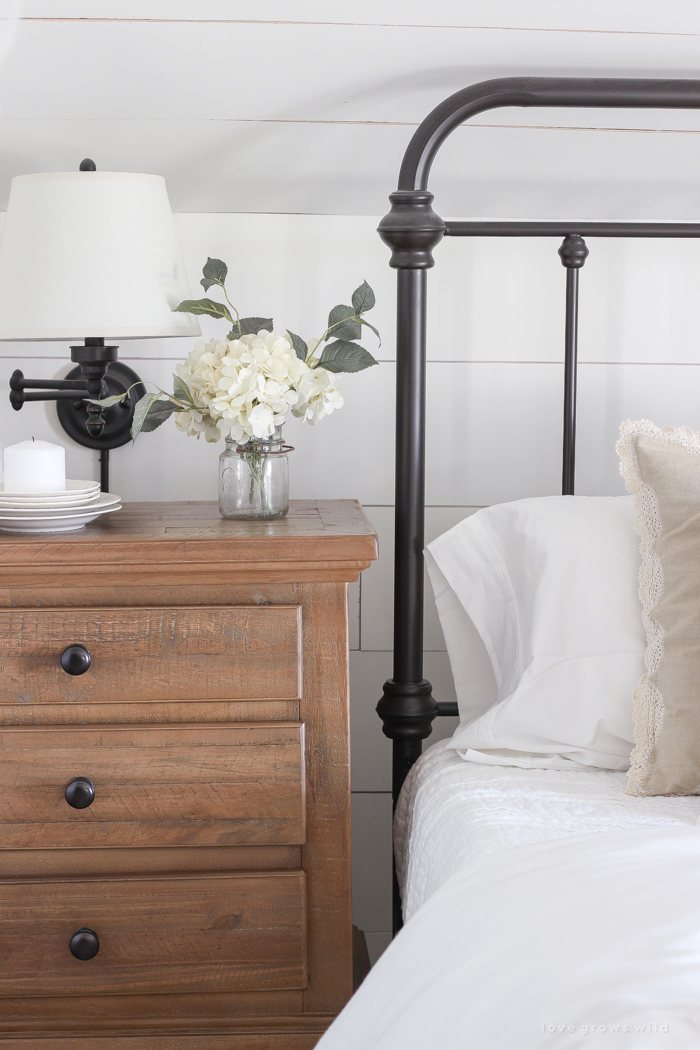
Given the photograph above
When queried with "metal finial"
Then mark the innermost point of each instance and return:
(573, 252)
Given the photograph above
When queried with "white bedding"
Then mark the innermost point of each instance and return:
(586, 941)
(452, 812)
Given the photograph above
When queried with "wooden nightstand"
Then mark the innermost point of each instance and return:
(209, 876)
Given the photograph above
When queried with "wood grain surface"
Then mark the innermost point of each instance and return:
(296, 1035)
(204, 634)
(211, 932)
(318, 540)
(161, 785)
(146, 860)
(151, 654)
(176, 1012)
(325, 709)
(168, 712)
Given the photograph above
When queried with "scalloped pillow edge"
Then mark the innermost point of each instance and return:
(648, 704)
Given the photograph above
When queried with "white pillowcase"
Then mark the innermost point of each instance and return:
(550, 584)
(469, 659)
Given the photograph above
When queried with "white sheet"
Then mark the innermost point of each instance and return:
(452, 812)
(545, 947)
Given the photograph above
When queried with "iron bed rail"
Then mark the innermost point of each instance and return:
(412, 230)
(562, 229)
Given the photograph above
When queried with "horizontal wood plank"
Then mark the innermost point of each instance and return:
(292, 1034)
(151, 654)
(150, 536)
(149, 860)
(44, 588)
(172, 712)
(155, 786)
(200, 933)
(157, 1013)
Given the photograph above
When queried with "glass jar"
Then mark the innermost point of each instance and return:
(254, 478)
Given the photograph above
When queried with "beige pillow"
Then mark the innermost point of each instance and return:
(661, 466)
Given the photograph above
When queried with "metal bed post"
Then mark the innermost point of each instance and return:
(412, 230)
(407, 707)
(573, 254)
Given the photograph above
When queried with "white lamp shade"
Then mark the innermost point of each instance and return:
(90, 254)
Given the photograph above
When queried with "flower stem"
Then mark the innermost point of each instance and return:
(256, 465)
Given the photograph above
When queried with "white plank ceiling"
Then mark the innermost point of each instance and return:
(307, 105)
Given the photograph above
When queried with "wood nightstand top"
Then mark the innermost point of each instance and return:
(318, 540)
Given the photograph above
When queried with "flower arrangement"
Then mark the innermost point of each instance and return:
(243, 386)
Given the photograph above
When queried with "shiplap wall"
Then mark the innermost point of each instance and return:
(279, 126)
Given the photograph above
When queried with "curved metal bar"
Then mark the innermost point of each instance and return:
(557, 92)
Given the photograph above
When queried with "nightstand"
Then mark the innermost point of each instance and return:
(175, 824)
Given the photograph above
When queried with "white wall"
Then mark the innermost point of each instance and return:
(280, 128)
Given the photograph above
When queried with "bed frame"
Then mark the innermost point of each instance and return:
(412, 229)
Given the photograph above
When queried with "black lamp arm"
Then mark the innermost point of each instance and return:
(44, 389)
(98, 374)
(94, 358)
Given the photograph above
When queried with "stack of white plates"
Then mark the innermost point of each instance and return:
(79, 503)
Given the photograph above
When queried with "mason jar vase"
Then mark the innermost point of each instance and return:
(254, 478)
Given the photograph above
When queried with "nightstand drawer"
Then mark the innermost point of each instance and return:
(190, 653)
(169, 785)
(203, 933)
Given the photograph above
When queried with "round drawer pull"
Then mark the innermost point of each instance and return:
(76, 659)
(84, 944)
(80, 793)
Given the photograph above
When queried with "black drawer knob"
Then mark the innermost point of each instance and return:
(76, 659)
(84, 944)
(80, 793)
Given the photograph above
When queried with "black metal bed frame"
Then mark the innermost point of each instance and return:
(412, 230)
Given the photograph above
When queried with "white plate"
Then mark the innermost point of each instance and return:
(104, 500)
(49, 504)
(70, 501)
(49, 498)
(51, 523)
(77, 488)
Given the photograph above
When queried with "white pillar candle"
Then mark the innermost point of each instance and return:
(35, 466)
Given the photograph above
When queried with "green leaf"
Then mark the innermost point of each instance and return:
(181, 391)
(140, 412)
(300, 347)
(157, 414)
(215, 272)
(204, 306)
(348, 330)
(252, 325)
(107, 401)
(341, 356)
(363, 298)
(368, 325)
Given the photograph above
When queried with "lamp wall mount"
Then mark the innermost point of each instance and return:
(98, 375)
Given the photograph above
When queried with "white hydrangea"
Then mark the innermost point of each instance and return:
(244, 388)
(319, 395)
(196, 423)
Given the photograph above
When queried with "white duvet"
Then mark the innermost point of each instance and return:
(452, 811)
(590, 940)
(545, 909)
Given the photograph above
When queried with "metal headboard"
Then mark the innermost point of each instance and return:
(412, 229)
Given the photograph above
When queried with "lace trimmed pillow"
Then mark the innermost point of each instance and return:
(661, 466)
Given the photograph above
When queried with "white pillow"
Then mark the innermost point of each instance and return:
(551, 586)
(475, 683)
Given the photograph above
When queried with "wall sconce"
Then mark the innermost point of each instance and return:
(92, 256)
